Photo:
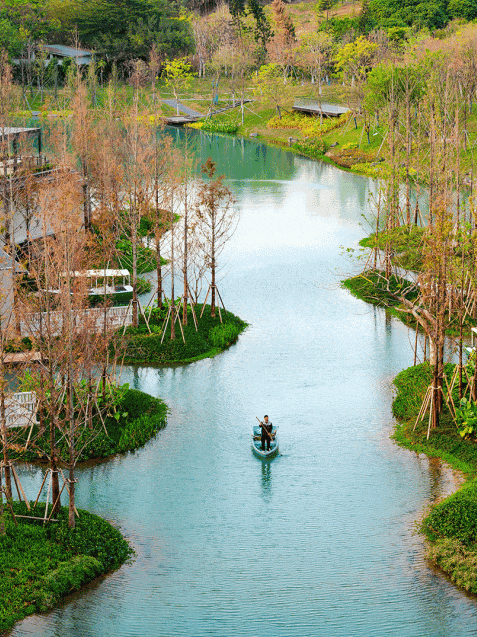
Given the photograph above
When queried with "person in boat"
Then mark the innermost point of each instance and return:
(266, 433)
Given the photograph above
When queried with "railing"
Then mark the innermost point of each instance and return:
(20, 409)
(94, 319)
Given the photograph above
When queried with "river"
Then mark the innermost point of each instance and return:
(320, 540)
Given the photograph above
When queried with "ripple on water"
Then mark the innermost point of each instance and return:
(320, 540)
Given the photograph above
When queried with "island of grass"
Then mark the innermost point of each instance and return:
(133, 419)
(42, 564)
(451, 525)
(404, 247)
(147, 344)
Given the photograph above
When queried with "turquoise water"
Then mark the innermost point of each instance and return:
(319, 541)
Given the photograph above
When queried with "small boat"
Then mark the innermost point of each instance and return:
(257, 444)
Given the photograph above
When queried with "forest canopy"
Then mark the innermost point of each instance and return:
(118, 29)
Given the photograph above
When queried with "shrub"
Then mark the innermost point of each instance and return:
(411, 385)
(309, 126)
(145, 348)
(219, 126)
(314, 148)
(456, 517)
(91, 536)
(140, 414)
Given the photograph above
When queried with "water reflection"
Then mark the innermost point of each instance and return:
(267, 479)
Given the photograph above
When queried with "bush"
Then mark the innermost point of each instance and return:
(92, 536)
(314, 148)
(139, 414)
(310, 126)
(371, 286)
(456, 517)
(456, 560)
(218, 126)
(411, 385)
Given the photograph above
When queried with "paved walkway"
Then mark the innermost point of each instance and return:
(182, 108)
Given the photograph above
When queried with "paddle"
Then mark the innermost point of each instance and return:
(265, 429)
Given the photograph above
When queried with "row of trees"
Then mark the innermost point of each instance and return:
(425, 101)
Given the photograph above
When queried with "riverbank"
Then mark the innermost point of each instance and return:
(451, 525)
(43, 564)
(212, 336)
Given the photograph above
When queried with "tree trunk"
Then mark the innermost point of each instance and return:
(8, 480)
(134, 239)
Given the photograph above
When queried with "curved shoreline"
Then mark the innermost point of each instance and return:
(448, 525)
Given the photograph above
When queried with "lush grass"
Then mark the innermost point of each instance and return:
(41, 564)
(138, 418)
(405, 242)
(371, 286)
(211, 338)
(451, 525)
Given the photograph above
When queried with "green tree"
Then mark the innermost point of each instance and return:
(177, 74)
(392, 13)
(125, 29)
(466, 9)
(324, 7)
(354, 59)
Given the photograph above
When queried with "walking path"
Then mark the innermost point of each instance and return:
(182, 108)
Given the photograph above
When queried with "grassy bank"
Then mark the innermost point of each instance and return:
(211, 338)
(451, 525)
(134, 420)
(372, 288)
(42, 564)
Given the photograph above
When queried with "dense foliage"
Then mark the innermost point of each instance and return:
(372, 288)
(116, 29)
(42, 564)
(217, 126)
(395, 13)
(405, 242)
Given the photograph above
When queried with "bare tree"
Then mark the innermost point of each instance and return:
(218, 219)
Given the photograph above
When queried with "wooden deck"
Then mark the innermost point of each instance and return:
(12, 358)
(178, 120)
(315, 107)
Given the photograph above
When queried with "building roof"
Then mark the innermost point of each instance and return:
(7, 132)
(66, 51)
(6, 261)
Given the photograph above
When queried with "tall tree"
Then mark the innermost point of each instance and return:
(217, 221)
